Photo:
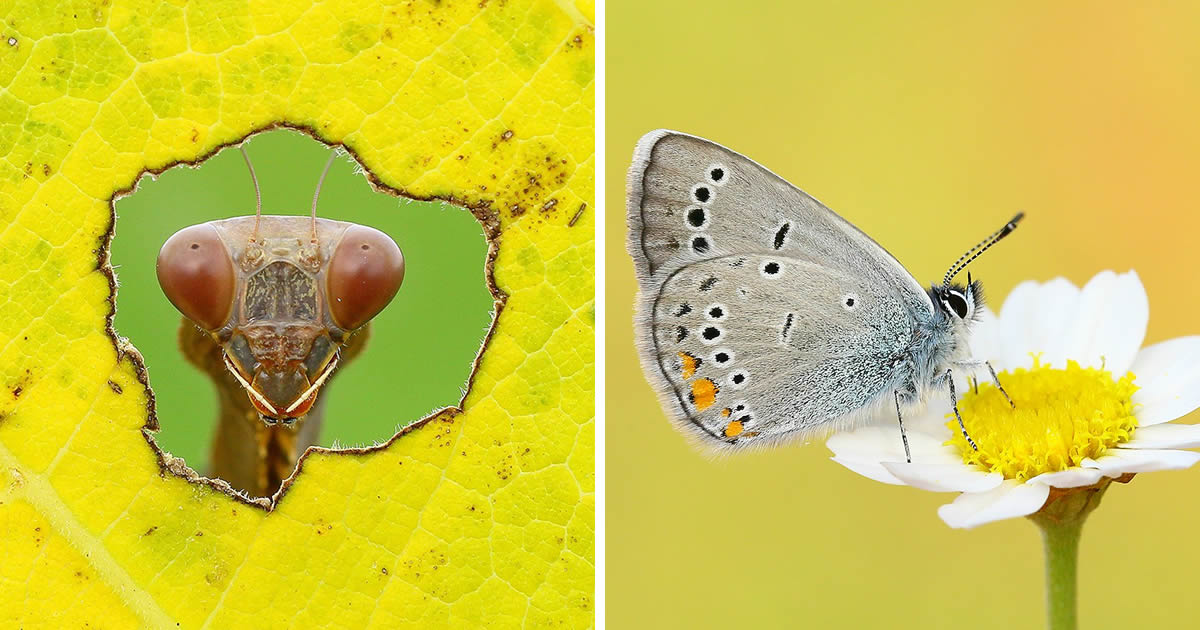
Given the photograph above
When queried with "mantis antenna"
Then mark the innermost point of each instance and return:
(317, 194)
(257, 194)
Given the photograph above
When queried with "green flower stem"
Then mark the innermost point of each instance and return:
(1061, 521)
(1061, 543)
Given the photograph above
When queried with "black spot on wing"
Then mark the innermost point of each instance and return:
(683, 309)
(680, 333)
(781, 235)
(708, 283)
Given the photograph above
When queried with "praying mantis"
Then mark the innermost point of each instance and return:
(271, 306)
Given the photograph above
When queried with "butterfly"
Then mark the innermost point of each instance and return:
(763, 317)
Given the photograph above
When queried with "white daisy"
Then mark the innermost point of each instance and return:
(1092, 406)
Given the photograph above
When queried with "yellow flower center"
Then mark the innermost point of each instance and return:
(1061, 417)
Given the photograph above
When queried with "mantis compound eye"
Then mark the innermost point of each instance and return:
(365, 272)
(195, 271)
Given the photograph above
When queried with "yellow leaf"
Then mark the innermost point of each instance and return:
(478, 518)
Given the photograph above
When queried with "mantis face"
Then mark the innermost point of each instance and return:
(281, 295)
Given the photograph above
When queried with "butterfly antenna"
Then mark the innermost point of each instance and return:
(317, 194)
(983, 246)
(257, 194)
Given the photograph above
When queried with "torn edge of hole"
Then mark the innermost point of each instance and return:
(168, 464)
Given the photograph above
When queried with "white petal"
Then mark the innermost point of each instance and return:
(1111, 325)
(1010, 499)
(1036, 319)
(1069, 478)
(1117, 462)
(987, 338)
(871, 470)
(955, 477)
(1165, 436)
(1168, 375)
(1017, 317)
(883, 444)
(932, 419)
(863, 450)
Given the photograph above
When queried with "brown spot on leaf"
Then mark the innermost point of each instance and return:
(578, 213)
(115, 387)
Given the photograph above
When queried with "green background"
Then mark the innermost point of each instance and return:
(926, 124)
(419, 355)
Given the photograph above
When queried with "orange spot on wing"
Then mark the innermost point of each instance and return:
(725, 412)
(733, 429)
(704, 393)
(689, 364)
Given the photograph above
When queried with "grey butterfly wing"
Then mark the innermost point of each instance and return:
(763, 316)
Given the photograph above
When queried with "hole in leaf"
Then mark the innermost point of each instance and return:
(420, 349)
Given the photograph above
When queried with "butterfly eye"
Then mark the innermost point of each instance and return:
(364, 274)
(195, 272)
(957, 303)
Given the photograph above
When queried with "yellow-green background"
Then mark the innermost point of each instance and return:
(927, 125)
(418, 358)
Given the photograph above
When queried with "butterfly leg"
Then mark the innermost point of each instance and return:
(996, 380)
(903, 435)
(954, 403)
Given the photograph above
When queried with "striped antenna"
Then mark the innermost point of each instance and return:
(983, 246)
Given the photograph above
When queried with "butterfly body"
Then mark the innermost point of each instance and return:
(764, 317)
